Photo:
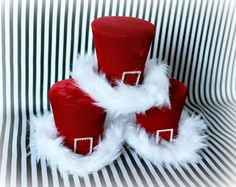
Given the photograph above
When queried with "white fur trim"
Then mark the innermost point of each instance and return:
(181, 150)
(45, 144)
(123, 99)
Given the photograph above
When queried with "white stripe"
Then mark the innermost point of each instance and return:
(99, 13)
(38, 53)
(121, 7)
(1, 77)
(54, 40)
(228, 74)
(61, 40)
(8, 124)
(68, 39)
(114, 7)
(46, 55)
(107, 5)
(14, 160)
(90, 36)
(135, 6)
(54, 176)
(30, 55)
(44, 173)
(23, 104)
(128, 7)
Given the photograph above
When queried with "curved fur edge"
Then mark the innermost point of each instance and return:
(123, 99)
(45, 144)
(183, 149)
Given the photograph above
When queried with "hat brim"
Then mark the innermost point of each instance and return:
(46, 144)
(181, 150)
(123, 99)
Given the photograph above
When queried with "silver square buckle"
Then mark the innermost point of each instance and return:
(131, 72)
(84, 139)
(165, 130)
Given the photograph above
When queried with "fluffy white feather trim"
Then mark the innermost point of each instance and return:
(123, 99)
(183, 149)
(45, 144)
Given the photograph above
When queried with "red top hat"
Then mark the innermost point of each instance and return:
(77, 119)
(163, 123)
(122, 45)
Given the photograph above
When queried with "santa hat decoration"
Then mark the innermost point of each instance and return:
(79, 121)
(78, 140)
(122, 45)
(163, 123)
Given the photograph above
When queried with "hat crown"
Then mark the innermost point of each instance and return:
(122, 44)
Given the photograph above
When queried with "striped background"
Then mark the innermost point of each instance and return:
(39, 41)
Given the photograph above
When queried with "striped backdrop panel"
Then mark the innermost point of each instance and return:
(39, 41)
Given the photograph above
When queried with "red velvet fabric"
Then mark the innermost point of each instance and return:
(122, 44)
(75, 115)
(159, 119)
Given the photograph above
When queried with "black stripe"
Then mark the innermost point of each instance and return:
(87, 26)
(50, 51)
(80, 25)
(34, 54)
(161, 27)
(18, 177)
(57, 40)
(65, 40)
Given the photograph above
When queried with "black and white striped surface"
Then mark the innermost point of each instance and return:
(41, 38)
